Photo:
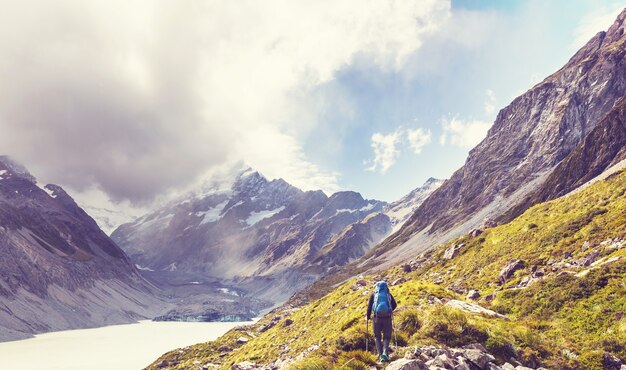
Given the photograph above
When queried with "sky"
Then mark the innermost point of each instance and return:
(128, 103)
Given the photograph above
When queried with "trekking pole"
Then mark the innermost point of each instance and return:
(367, 334)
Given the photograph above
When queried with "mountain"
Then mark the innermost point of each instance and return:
(59, 270)
(245, 229)
(358, 238)
(542, 145)
(545, 290)
(107, 219)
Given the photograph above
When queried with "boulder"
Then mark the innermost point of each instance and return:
(246, 365)
(507, 366)
(361, 282)
(451, 252)
(509, 269)
(406, 364)
(288, 322)
(475, 232)
(242, 340)
(473, 294)
(473, 308)
(398, 281)
(479, 358)
(406, 268)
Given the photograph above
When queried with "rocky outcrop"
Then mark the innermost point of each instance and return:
(471, 357)
(561, 126)
(509, 269)
(59, 270)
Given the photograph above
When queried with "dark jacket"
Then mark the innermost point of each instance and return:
(371, 303)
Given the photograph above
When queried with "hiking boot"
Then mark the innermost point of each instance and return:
(384, 358)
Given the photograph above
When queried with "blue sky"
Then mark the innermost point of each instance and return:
(510, 46)
(130, 103)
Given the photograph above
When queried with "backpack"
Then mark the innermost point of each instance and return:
(382, 300)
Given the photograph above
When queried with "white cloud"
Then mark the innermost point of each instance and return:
(136, 98)
(385, 150)
(418, 139)
(598, 20)
(464, 134)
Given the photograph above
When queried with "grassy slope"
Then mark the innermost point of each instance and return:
(560, 321)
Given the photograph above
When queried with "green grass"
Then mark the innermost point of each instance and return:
(562, 321)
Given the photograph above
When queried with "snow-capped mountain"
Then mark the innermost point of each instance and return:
(59, 270)
(243, 225)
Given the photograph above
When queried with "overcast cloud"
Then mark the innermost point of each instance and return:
(138, 97)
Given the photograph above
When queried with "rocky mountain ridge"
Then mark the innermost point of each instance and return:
(58, 267)
(259, 235)
(537, 141)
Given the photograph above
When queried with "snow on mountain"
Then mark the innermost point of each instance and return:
(240, 225)
(108, 220)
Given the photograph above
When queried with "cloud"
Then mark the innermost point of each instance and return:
(599, 19)
(136, 98)
(387, 148)
(464, 134)
(418, 139)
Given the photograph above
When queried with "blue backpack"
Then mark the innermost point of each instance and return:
(382, 300)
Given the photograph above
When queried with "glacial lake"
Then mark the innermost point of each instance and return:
(120, 347)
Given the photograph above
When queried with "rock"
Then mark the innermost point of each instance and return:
(586, 245)
(610, 362)
(539, 272)
(438, 280)
(398, 281)
(509, 269)
(246, 365)
(361, 282)
(163, 363)
(520, 367)
(490, 297)
(475, 232)
(457, 288)
(242, 340)
(474, 308)
(507, 366)
(406, 268)
(451, 252)
(567, 255)
(444, 361)
(288, 322)
(587, 260)
(473, 294)
(477, 346)
(478, 357)
(406, 364)
(224, 349)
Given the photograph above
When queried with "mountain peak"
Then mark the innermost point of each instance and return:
(16, 169)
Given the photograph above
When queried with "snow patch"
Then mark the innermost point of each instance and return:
(228, 291)
(345, 210)
(212, 214)
(2, 172)
(143, 268)
(258, 216)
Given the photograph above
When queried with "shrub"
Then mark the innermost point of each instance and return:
(408, 321)
(311, 364)
(451, 327)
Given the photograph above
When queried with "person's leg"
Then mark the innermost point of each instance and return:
(378, 330)
(387, 330)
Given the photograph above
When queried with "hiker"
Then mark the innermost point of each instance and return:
(382, 304)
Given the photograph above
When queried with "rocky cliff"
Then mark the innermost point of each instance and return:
(59, 270)
(532, 143)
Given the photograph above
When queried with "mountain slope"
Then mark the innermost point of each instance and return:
(245, 230)
(59, 270)
(547, 289)
(529, 139)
